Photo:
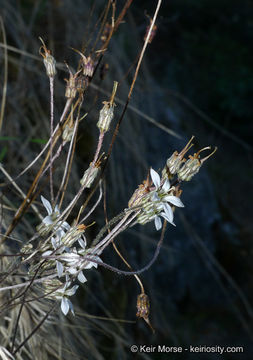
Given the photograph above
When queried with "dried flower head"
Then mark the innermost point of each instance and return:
(88, 65)
(48, 59)
(143, 307)
(193, 164)
(71, 87)
(107, 112)
(138, 197)
(90, 174)
(105, 116)
(175, 162)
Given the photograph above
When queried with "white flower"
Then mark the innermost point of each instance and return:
(75, 263)
(161, 200)
(63, 295)
(52, 216)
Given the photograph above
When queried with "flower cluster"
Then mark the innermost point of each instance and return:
(158, 202)
(154, 203)
(61, 253)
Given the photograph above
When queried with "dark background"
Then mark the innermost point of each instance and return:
(197, 78)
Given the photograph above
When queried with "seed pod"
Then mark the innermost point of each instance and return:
(90, 175)
(88, 66)
(193, 164)
(71, 87)
(107, 112)
(48, 59)
(138, 197)
(82, 83)
(105, 116)
(143, 308)
(176, 161)
(68, 133)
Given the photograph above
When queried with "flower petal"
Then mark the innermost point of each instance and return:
(60, 233)
(56, 209)
(64, 306)
(47, 205)
(158, 223)
(166, 186)
(168, 211)
(72, 291)
(81, 277)
(65, 225)
(72, 270)
(164, 215)
(47, 220)
(174, 200)
(82, 242)
(59, 268)
(54, 242)
(155, 197)
(90, 264)
(47, 253)
(71, 307)
(155, 178)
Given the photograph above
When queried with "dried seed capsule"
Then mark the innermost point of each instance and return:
(105, 116)
(143, 309)
(175, 162)
(88, 66)
(107, 112)
(138, 197)
(68, 132)
(90, 175)
(71, 87)
(82, 83)
(48, 59)
(193, 164)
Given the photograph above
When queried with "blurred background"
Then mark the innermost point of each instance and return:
(196, 79)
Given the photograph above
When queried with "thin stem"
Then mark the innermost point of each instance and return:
(67, 161)
(115, 246)
(94, 206)
(99, 145)
(28, 282)
(51, 81)
(122, 225)
(133, 83)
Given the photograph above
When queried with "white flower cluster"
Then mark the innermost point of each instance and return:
(160, 203)
(69, 260)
